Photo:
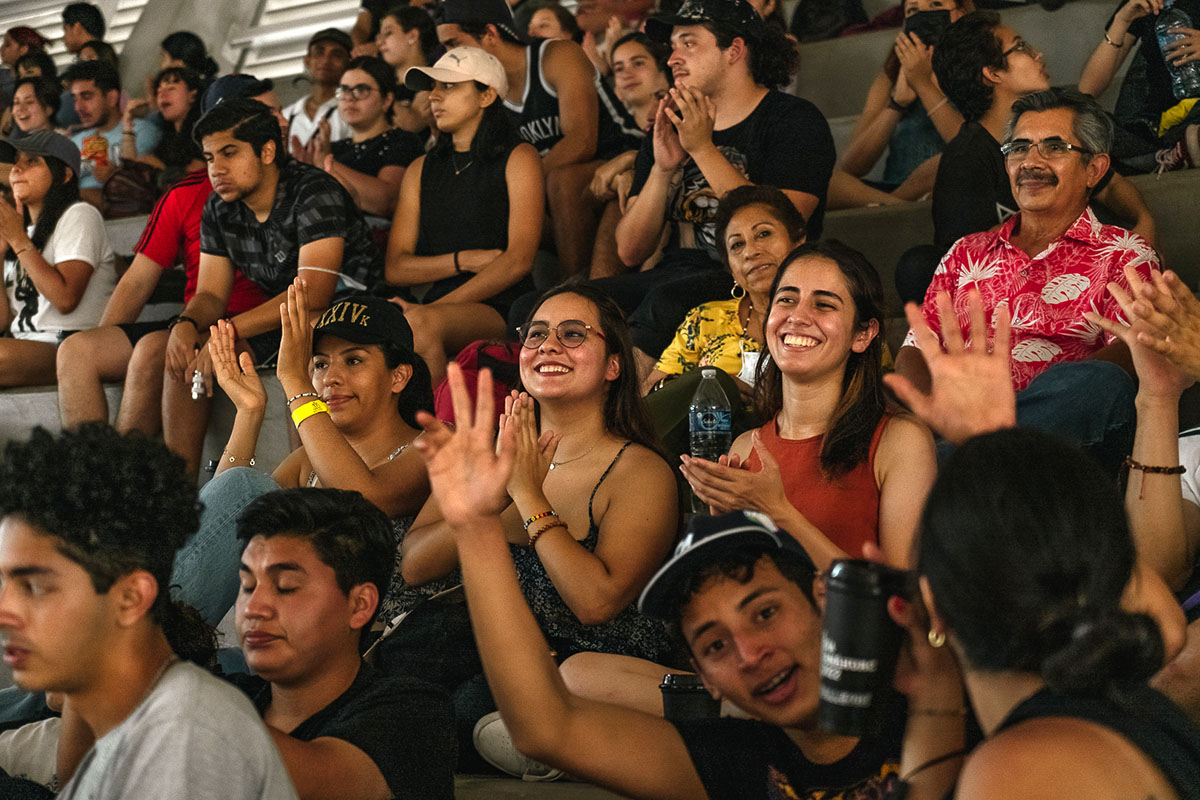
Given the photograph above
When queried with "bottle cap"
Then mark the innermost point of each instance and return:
(708, 372)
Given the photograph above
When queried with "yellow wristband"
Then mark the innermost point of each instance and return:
(307, 410)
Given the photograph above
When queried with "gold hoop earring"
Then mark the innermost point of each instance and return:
(936, 638)
(733, 292)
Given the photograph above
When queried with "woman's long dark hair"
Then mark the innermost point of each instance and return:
(410, 17)
(189, 48)
(495, 137)
(177, 148)
(852, 426)
(1025, 544)
(62, 194)
(625, 414)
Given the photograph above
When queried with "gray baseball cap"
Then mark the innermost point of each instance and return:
(48, 143)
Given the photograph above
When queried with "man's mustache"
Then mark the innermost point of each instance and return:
(1039, 175)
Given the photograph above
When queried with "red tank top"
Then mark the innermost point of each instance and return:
(845, 509)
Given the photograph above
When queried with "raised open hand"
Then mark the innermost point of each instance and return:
(971, 391)
(465, 468)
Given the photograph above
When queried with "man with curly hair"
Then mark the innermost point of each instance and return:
(724, 124)
(84, 571)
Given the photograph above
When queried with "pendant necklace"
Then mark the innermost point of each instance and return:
(554, 464)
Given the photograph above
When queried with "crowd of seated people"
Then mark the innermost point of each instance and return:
(613, 198)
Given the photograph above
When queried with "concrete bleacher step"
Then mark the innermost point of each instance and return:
(23, 409)
(836, 74)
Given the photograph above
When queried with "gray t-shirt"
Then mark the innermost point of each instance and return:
(194, 736)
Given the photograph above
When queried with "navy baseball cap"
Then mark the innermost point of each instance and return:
(231, 87)
(334, 35)
(706, 538)
(480, 12)
(736, 15)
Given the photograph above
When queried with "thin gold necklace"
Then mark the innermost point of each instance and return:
(554, 464)
(454, 164)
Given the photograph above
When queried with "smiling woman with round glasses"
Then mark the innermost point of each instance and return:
(371, 163)
(592, 506)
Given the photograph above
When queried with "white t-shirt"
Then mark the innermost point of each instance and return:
(78, 236)
(193, 737)
(1189, 456)
(31, 751)
(303, 128)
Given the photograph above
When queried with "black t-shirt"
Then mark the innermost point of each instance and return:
(1158, 75)
(404, 725)
(741, 759)
(785, 142)
(971, 192)
(310, 205)
(392, 148)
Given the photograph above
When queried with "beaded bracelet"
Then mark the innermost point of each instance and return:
(1145, 469)
(536, 517)
(555, 523)
(307, 410)
(296, 397)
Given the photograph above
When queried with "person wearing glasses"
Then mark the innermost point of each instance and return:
(1047, 266)
(469, 218)
(591, 507)
(983, 66)
(370, 163)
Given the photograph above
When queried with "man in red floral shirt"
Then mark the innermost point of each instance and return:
(1050, 263)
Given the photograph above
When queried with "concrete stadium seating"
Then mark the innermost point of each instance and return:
(835, 75)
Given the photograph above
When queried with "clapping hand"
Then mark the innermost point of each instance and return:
(235, 372)
(668, 152)
(295, 340)
(1163, 333)
(916, 60)
(972, 391)
(693, 116)
(727, 484)
(532, 453)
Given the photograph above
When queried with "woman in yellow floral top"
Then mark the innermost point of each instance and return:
(758, 226)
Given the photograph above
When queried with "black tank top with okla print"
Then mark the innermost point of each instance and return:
(539, 122)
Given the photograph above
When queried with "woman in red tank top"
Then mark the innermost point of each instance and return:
(833, 466)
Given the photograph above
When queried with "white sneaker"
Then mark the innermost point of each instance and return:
(496, 746)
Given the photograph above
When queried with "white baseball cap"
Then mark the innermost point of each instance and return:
(457, 66)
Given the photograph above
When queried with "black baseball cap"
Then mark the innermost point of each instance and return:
(335, 35)
(47, 143)
(366, 319)
(707, 538)
(735, 15)
(231, 87)
(480, 12)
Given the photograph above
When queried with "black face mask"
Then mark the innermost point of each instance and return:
(928, 25)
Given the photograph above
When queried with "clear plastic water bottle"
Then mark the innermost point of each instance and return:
(710, 418)
(1185, 78)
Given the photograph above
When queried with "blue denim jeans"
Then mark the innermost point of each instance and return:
(1088, 403)
(206, 567)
